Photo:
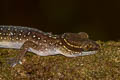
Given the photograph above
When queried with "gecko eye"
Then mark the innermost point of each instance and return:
(83, 35)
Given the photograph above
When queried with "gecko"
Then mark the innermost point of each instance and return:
(33, 40)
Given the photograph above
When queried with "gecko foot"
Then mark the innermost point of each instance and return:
(13, 62)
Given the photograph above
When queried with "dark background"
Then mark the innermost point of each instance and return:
(99, 18)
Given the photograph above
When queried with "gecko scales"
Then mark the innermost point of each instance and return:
(44, 44)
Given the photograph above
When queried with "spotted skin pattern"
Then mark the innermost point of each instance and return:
(44, 44)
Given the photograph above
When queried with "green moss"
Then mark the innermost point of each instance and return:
(103, 65)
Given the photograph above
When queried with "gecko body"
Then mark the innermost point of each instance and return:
(44, 44)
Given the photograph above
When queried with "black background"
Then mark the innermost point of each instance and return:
(99, 18)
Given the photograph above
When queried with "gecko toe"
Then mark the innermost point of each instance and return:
(13, 62)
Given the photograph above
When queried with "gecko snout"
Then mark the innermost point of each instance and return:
(90, 46)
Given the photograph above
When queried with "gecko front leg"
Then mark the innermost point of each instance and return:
(23, 50)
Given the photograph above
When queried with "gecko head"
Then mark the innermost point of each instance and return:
(77, 44)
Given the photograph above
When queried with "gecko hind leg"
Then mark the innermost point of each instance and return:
(17, 60)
